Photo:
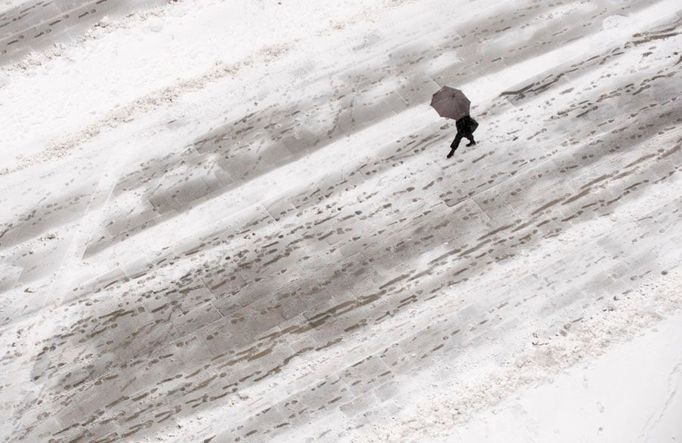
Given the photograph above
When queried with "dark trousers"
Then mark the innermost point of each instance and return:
(465, 129)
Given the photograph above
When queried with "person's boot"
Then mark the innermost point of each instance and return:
(471, 143)
(452, 152)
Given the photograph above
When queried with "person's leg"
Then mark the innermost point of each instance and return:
(455, 144)
(473, 124)
(468, 134)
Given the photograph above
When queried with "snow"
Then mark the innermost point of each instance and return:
(235, 219)
(628, 394)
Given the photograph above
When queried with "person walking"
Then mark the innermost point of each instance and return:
(465, 129)
(453, 104)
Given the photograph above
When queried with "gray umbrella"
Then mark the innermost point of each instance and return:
(450, 103)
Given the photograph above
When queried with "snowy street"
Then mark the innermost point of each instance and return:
(233, 220)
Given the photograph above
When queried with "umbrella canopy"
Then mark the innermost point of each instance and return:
(450, 103)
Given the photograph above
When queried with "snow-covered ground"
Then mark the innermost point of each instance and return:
(629, 394)
(233, 220)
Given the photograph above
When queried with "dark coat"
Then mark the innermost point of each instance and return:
(466, 126)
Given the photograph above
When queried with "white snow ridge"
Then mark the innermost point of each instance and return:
(234, 221)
